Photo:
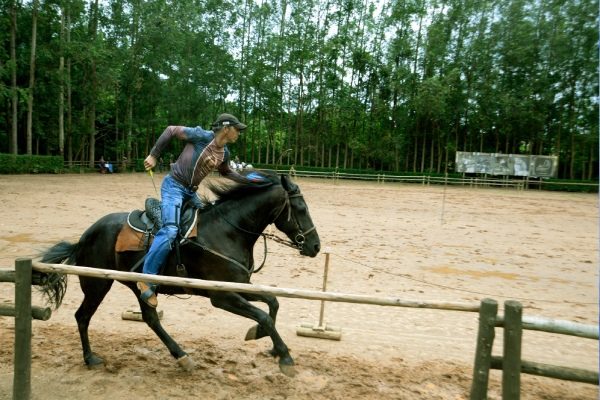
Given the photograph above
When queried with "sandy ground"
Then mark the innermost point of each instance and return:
(408, 241)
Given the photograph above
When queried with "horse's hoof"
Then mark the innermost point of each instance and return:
(186, 363)
(251, 334)
(94, 362)
(288, 370)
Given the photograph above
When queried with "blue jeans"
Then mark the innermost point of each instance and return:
(174, 195)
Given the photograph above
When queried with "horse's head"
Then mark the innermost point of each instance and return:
(294, 220)
(252, 207)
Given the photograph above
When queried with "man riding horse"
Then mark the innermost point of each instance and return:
(204, 152)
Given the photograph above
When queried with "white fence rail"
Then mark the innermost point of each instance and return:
(506, 182)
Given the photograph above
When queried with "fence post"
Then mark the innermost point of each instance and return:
(22, 356)
(511, 363)
(483, 352)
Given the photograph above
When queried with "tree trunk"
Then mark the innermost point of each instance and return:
(93, 87)
(129, 125)
(423, 151)
(34, 13)
(14, 147)
(61, 90)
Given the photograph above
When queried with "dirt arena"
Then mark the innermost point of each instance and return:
(414, 242)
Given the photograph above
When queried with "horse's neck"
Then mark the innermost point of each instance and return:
(257, 214)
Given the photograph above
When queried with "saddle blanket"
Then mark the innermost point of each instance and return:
(131, 238)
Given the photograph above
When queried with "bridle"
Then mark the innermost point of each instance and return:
(297, 243)
(300, 236)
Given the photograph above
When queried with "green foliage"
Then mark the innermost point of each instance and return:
(23, 164)
(382, 85)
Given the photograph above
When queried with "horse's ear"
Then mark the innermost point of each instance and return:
(287, 183)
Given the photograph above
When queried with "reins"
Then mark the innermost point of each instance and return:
(296, 244)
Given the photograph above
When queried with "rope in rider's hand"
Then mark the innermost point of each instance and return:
(149, 164)
(151, 173)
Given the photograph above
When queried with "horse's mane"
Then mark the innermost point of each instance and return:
(224, 191)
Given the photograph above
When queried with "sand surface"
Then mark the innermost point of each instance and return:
(414, 242)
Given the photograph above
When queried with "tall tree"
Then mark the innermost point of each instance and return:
(14, 147)
(34, 13)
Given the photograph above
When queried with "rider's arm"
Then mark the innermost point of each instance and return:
(165, 138)
(227, 172)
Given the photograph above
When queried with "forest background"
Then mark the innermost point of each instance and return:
(395, 85)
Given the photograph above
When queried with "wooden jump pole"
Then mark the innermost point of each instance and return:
(321, 331)
(22, 356)
(250, 288)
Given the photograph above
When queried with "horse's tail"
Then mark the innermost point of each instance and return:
(54, 285)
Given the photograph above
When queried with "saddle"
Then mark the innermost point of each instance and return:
(141, 226)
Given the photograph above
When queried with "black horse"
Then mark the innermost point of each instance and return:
(222, 251)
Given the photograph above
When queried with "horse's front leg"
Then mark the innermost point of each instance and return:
(236, 304)
(257, 331)
(150, 317)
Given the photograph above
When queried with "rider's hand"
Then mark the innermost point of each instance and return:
(149, 162)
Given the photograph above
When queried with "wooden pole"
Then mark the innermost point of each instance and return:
(22, 356)
(560, 326)
(552, 371)
(8, 275)
(325, 273)
(249, 288)
(483, 352)
(39, 313)
(511, 368)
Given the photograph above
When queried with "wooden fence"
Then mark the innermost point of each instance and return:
(487, 311)
(23, 312)
(479, 181)
(511, 363)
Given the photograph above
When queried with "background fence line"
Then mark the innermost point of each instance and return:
(485, 181)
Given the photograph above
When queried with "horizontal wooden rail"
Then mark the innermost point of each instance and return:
(551, 371)
(560, 326)
(250, 288)
(9, 275)
(39, 313)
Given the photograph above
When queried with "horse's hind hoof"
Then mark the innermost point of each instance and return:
(186, 363)
(288, 370)
(94, 362)
(251, 334)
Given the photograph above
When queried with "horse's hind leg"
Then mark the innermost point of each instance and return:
(237, 304)
(94, 291)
